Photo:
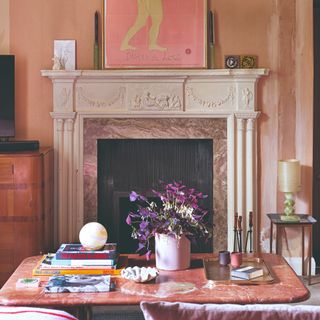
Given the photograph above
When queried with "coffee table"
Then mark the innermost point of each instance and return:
(186, 286)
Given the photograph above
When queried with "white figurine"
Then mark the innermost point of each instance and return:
(58, 63)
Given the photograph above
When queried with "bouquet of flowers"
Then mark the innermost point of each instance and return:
(179, 214)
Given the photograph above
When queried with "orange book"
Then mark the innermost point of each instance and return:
(38, 271)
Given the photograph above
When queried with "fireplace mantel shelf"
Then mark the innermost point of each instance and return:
(156, 73)
(79, 95)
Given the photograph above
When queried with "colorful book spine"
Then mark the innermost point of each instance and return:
(85, 255)
(43, 269)
(83, 262)
(76, 251)
(53, 272)
(50, 267)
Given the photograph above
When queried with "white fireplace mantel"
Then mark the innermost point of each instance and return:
(218, 93)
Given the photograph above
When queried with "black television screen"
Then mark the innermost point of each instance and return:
(7, 96)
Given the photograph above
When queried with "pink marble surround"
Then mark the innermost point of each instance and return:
(173, 128)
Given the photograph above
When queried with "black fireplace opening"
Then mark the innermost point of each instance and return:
(126, 165)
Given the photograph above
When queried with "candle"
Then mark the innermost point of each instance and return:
(96, 27)
(96, 41)
(211, 26)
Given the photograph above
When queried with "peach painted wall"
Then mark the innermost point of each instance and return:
(34, 24)
(278, 32)
(4, 27)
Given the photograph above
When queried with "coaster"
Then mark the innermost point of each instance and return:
(28, 283)
(248, 62)
(232, 62)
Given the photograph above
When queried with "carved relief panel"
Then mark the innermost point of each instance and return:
(63, 97)
(100, 96)
(155, 97)
(246, 95)
(210, 96)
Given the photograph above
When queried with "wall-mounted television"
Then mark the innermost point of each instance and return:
(7, 128)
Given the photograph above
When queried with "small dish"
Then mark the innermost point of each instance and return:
(139, 274)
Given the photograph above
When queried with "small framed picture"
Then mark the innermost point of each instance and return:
(64, 54)
(154, 34)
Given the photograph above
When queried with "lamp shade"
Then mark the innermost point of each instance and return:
(289, 175)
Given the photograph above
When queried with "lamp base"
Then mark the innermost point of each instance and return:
(290, 218)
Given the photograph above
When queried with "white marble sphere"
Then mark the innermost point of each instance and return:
(93, 236)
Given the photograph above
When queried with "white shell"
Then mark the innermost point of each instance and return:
(138, 274)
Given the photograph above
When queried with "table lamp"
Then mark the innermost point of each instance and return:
(289, 178)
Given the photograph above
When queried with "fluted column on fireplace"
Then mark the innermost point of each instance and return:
(246, 169)
(64, 221)
(63, 116)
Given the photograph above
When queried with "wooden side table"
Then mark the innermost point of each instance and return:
(305, 221)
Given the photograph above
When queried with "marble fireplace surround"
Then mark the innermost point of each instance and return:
(219, 104)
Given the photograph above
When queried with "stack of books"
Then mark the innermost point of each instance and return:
(74, 259)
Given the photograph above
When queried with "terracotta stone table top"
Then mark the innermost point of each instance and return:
(187, 286)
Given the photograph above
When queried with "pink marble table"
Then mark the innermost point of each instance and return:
(186, 286)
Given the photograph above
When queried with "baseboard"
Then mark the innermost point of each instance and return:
(296, 264)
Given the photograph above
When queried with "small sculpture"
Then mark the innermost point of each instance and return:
(93, 236)
(58, 63)
(138, 274)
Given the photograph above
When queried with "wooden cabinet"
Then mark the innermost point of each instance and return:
(26, 207)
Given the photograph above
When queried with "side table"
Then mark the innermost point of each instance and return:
(305, 221)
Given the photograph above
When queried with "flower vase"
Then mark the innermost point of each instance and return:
(172, 253)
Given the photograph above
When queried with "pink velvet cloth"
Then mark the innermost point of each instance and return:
(29, 313)
(190, 311)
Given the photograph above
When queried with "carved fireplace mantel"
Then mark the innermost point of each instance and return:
(221, 93)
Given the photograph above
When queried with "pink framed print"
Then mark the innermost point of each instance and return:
(155, 33)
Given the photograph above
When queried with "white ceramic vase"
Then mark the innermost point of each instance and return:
(172, 253)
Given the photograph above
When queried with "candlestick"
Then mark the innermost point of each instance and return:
(211, 38)
(96, 27)
(96, 41)
(235, 233)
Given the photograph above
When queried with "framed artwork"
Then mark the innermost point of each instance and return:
(64, 54)
(155, 33)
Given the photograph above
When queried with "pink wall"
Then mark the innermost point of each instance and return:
(278, 32)
(34, 24)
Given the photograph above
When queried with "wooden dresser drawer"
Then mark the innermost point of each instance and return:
(26, 218)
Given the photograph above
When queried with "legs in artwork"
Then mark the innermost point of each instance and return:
(146, 8)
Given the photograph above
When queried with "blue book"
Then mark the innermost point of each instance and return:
(82, 262)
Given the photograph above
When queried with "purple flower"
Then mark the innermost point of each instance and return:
(180, 213)
(148, 255)
(133, 196)
(143, 225)
(128, 220)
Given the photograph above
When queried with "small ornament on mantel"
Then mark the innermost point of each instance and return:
(58, 63)
(64, 53)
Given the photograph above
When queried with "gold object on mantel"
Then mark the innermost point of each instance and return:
(221, 274)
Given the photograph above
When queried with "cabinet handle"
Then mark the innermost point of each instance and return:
(12, 169)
